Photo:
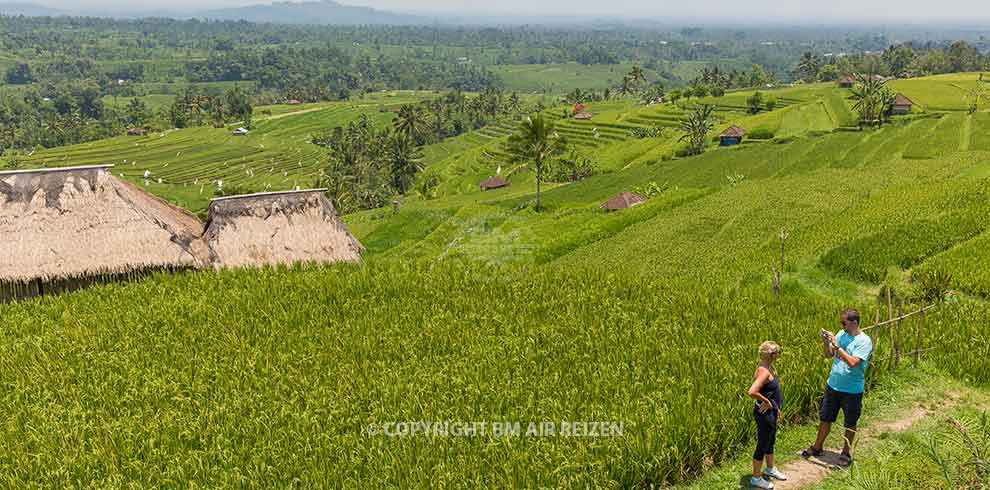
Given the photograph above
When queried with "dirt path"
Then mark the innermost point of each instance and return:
(802, 472)
(295, 113)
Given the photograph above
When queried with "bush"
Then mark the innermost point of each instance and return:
(761, 133)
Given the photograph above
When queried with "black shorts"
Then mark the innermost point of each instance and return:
(851, 405)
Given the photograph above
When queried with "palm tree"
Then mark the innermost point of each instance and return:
(625, 88)
(405, 159)
(869, 98)
(808, 66)
(538, 141)
(696, 128)
(636, 75)
(410, 121)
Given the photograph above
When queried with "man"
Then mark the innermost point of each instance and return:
(850, 352)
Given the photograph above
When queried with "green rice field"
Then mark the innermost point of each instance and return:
(473, 306)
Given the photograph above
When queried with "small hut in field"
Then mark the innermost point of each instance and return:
(846, 81)
(495, 182)
(623, 200)
(137, 132)
(273, 228)
(66, 226)
(584, 116)
(732, 135)
(901, 104)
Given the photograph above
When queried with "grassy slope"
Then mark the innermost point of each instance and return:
(941, 92)
(276, 155)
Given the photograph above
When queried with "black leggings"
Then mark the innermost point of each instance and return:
(766, 432)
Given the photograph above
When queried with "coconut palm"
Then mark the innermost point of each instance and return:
(410, 121)
(537, 140)
(808, 66)
(636, 75)
(405, 159)
(696, 128)
(626, 87)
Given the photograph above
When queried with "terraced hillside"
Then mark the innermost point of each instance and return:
(185, 165)
(475, 307)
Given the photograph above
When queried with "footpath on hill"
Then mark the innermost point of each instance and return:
(908, 397)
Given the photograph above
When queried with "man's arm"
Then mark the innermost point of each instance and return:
(851, 360)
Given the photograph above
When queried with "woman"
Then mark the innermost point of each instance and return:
(766, 390)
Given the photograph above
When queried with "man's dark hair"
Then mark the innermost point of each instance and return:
(851, 314)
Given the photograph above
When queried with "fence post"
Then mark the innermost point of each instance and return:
(897, 334)
(876, 345)
(890, 328)
(920, 334)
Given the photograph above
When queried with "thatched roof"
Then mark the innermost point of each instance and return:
(493, 183)
(847, 79)
(277, 228)
(900, 100)
(623, 200)
(78, 222)
(584, 115)
(733, 132)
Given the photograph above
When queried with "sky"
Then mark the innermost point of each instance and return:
(814, 11)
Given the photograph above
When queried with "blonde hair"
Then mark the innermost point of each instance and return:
(769, 349)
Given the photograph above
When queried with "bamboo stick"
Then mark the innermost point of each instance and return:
(897, 333)
(918, 337)
(892, 320)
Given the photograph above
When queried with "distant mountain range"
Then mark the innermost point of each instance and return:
(28, 10)
(320, 12)
(325, 12)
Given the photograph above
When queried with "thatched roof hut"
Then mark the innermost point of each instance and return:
(494, 182)
(732, 135)
(277, 228)
(901, 104)
(623, 200)
(78, 222)
(584, 116)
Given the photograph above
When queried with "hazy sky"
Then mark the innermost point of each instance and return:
(916, 11)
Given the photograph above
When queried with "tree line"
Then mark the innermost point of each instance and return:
(367, 166)
(901, 61)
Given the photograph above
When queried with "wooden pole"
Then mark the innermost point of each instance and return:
(876, 320)
(918, 337)
(890, 317)
(897, 334)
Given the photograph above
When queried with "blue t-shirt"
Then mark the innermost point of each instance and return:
(844, 378)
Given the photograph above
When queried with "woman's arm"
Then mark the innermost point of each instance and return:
(762, 375)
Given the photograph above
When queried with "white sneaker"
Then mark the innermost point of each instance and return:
(760, 483)
(774, 473)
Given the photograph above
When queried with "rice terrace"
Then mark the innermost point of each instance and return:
(316, 245)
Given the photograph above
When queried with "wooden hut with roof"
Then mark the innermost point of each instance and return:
(732, 135)
(846, 81)
(901, 104)
(65, 227)
(623, 200)
(495, 182)
(272, 228)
